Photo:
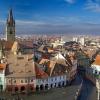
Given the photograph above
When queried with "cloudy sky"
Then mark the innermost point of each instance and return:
(52, 16)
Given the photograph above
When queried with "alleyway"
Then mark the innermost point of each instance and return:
(88, 91)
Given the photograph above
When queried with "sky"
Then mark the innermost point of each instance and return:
(52, 16)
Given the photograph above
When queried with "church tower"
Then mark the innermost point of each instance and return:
(10, 27)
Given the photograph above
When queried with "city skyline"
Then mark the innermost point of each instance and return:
(52, 16)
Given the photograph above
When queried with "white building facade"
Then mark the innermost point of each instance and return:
(51, 82)
(2, 80)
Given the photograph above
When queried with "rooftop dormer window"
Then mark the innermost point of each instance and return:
(20, 57)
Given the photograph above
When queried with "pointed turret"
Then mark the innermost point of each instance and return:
(10, 19)
(10, 15)
(10, 27)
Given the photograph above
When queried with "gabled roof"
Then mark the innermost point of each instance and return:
(45, 49)
(2, 66)
(56, 64)
(41, 48)
(39, 72)
(26, 44)
(59, 69)
(60, 59)
(59, 56)
(50, 67)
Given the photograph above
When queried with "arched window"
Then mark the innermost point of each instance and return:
(9, 81)
(14, 81)
(26, 81)
(37, 87)
(9, 89)
(41, 87)
(16, 89)
(21, 81)
(52, 79)
(51, 85)
(46, 86)
(31, 80)
(95, 72)
(31, 88)
(23, 88)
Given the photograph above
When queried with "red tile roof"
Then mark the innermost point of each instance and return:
(7, 45)
(2, 66)
(26, 44)
(40, 73)
(97, 60)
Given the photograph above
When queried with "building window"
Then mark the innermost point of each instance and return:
(42, 80)
(21, 81)
(25, 81)
(55, 78)
(31, 80)
(39, 81)
(47, 80)
(52, 79)
(95, 72)
(9, 81)
(63, 77)
(14, 81)
(60, 77)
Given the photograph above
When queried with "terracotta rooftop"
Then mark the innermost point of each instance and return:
(7, 45)
(26, 44)
(57, 65)
(2, 66)
(43, 61)
(97, 60)
(39, 72)
(60, 59)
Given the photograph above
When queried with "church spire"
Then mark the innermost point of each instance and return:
(10, 27)
(10, 19)
(10, 15)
